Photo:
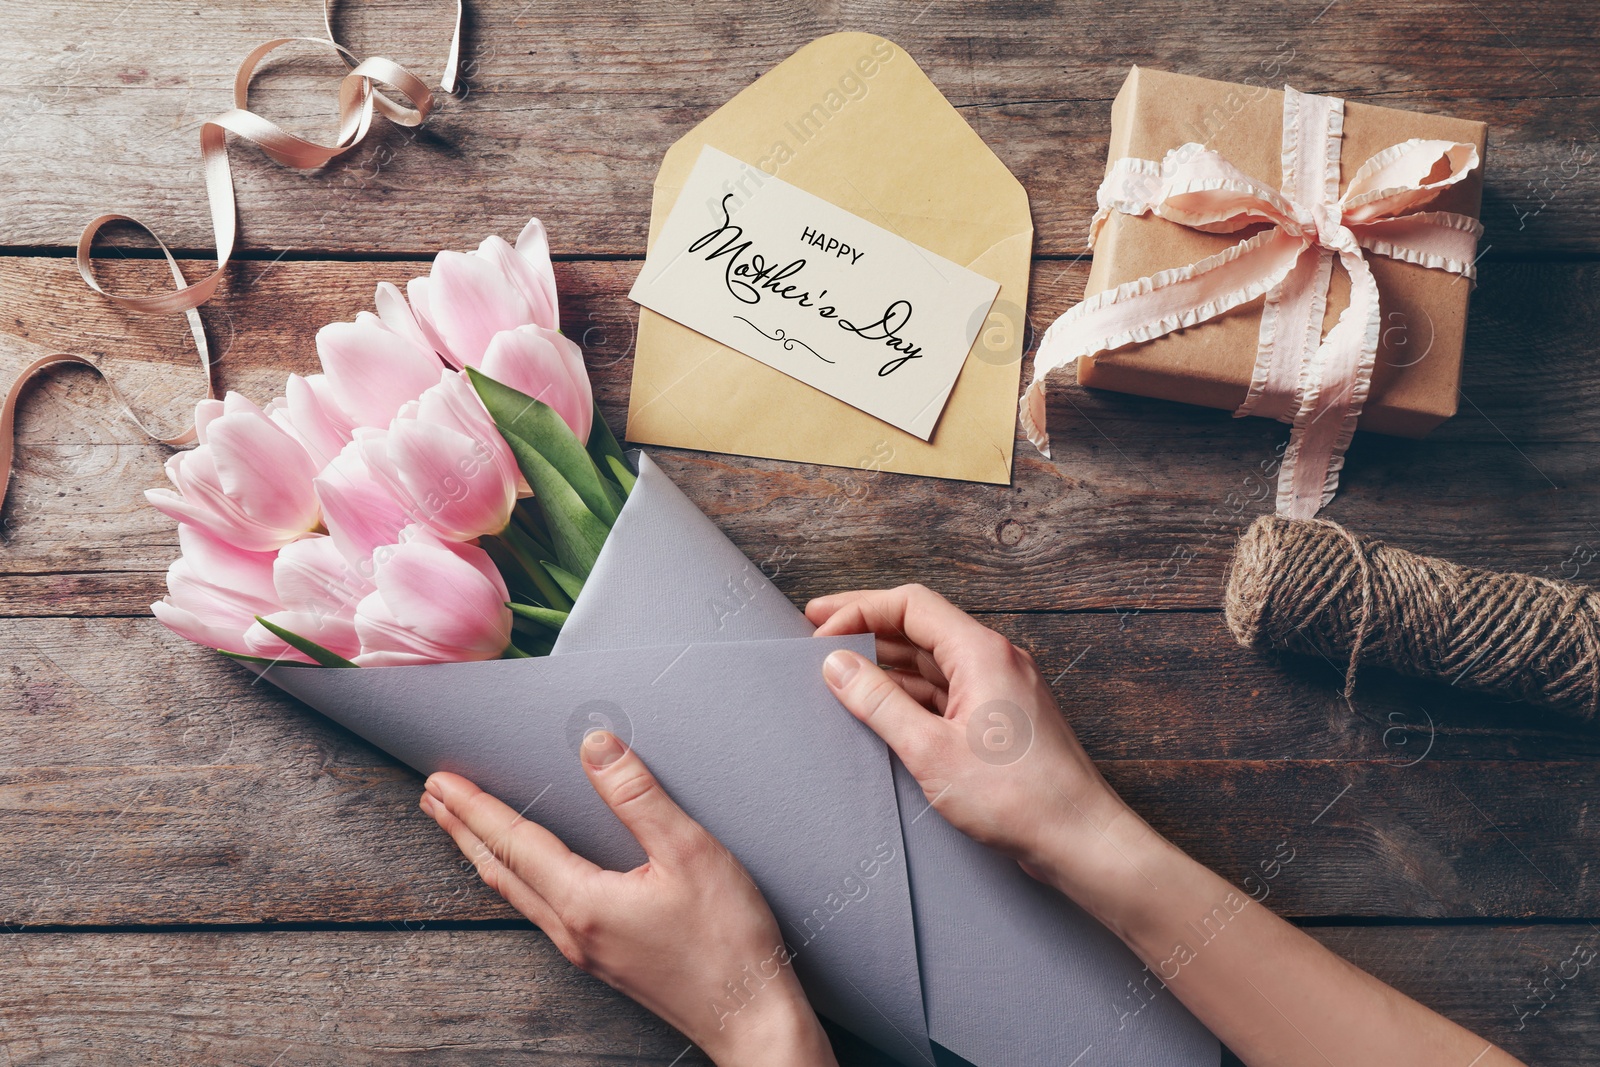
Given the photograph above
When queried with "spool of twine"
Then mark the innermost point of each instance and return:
(1315, 587)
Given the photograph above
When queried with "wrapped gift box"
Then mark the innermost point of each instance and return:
(1414, 383)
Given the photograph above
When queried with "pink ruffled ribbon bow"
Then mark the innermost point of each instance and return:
(1314, 382)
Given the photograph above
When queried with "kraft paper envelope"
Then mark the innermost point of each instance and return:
(850, 118)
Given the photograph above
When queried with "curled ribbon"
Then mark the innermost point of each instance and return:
(359, 99)
(1317, 383)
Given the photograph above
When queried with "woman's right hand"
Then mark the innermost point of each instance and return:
(995, 757)
(970, 716)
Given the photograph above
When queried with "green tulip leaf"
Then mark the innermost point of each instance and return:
(576, 531)
(543, 616)
(538, 426)
(607, 453)
(304, 644)
(620, 471)
(571, 584)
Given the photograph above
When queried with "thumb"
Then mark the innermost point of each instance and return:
(622, 780)
(915, 733)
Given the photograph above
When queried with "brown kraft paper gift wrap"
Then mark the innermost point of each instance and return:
(1418, 369)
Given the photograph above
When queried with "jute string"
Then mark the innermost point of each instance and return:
(1315, 587)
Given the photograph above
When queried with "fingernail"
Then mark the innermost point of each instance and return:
(433, 787)
(839, 668)
(601, 749)
(429, 805)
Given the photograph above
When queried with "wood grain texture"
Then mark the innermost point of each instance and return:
(570, 105)
(144, 780)
(359, 997)
(1138, 511)
(146, 783)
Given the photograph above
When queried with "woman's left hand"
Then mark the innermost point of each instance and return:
(687, 934)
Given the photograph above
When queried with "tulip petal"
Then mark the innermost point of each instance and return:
(420, 292)
(264, 471)
(394, 313)
(359, 512)
(536, 281)
(434, 603)
(187, 624)
(309, 414)
(247, 576)
(313, 576)
(548, 367)
(452, 480)
(372, 370)
(470, 300)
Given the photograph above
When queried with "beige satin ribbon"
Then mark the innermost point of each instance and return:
(1318, 383)
(358, 101)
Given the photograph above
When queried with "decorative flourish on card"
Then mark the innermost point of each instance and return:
(784, 339)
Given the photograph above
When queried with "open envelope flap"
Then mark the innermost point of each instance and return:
(745, 736)
(850, 118)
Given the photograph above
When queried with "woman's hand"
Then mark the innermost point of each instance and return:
(687, 934)
(996, 759)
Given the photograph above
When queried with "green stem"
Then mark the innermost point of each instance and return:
(528, 521)
(527, 553)
(513, 652)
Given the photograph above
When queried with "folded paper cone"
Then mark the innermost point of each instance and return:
(903, 931)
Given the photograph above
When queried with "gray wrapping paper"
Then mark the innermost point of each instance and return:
(685, 648)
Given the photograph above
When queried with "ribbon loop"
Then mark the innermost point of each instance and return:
(1318, 384)
(358, 100)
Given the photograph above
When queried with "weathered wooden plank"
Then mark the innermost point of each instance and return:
(345, 997)
(1138, 510)
(570, 106)
(146, 780)
(354, 997)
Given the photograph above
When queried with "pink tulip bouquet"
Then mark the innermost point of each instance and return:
(443, 501)
(437, 494)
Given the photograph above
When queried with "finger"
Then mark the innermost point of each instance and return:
(820, 608)
(911, 613)
(525, 848)
(516, 892)
(874, 698)
(920, 689)
(900, 654)
(663, 829)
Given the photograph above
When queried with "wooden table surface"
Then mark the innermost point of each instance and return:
(196, 869)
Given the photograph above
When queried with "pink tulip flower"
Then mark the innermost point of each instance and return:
(435, 602)
(454, 403)
(457, 483)
(359, 512)
(309, 414)
(215, 591)
(546, 366)
(373, 370)
(468, 297)
(319, 590)
(248, 482)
